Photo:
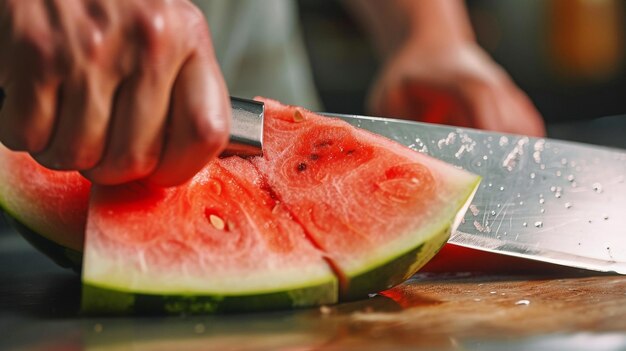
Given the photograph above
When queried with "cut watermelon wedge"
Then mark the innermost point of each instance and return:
(329, 213)
(218, 243)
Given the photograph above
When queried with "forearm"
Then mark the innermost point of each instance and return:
(434, 22)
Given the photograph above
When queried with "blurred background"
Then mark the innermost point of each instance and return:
(567, 55)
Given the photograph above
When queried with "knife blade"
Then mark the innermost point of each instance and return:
(541, 199)
(547, 200)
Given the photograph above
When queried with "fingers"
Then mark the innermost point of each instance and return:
(200, 119)
(27, 115)
(136, 130)
(91, 88)
(501, 107)
(389, 99)
(78, 140)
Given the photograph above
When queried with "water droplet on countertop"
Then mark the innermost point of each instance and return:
(532, 175)
(493, 213)
(541, 201)
(570, 178)
(563, 161)
(521, 203)
(543, 210)
(538, 224)
(524, 224)
(501, 188)
(325, 310)
(605, 217)
(558, 173)
(568, 205)
(485, 157)
(523, 303)
(199, 328)
(553, 188)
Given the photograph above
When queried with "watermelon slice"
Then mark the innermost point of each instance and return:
(330, 213)
(379, 210)
(49, 208)
(219, 243)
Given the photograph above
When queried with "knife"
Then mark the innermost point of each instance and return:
(542, 199)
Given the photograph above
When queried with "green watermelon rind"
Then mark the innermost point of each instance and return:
(61, 255)
(102, 300)
(383, 274)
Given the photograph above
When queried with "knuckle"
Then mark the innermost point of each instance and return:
(92, 43)
(190, 19)
(155, 31)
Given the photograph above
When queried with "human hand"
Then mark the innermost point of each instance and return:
(456, 84)
(118, 89)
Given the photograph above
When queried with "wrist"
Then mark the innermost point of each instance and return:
(436, 23)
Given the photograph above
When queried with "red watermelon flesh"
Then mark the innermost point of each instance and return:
(327, 200)
(221, 233)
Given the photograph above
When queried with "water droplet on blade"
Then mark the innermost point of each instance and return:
(475, 211)
(597, 187)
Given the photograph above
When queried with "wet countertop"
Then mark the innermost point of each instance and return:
(559, 309)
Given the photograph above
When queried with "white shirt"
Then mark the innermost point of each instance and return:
(260, 49)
